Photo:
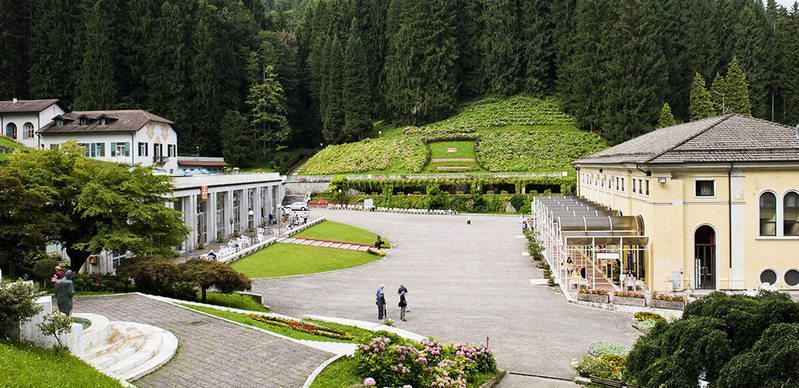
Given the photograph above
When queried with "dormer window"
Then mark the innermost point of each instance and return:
(103, 121)
(59, 122)
(84, 121)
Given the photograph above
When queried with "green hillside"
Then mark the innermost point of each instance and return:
(6, 142)
(517, 134)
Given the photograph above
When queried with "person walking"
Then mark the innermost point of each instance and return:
(468, 220)
(402, 304)
(381, 303)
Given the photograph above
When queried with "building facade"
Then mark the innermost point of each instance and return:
(719, 198)
(121, 136)
(21, 119)
(216, 207)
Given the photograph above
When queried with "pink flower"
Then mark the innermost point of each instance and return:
(369, 382)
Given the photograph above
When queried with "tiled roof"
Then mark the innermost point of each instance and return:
(26, 106)
(117, 121)
(728, 138)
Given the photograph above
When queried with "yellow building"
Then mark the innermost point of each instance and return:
(719, 199)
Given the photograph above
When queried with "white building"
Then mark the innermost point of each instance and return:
(21, 119)
(122, 136)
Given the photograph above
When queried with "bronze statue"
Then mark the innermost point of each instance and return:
(64, 291)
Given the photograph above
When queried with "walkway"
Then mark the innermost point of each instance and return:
(212, 352)
(466, 283)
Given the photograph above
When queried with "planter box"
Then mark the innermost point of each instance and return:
(606, 382)
(594, 298)
(623, 300)
(666, 304)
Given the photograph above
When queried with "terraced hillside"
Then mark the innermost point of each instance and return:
(517, 134)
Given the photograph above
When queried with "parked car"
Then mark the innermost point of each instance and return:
(303, 206)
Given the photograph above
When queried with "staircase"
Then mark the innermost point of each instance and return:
(326, 244)
(126, 350)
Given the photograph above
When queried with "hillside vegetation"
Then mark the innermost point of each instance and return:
(6, 142)
(520, 134)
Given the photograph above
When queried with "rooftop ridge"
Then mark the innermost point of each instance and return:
(723, 119)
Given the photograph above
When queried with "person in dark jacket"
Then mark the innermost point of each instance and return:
(381, 303)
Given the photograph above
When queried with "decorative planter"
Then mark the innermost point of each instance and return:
(594, 298)
(606, 382)
(667, 304)
(623, 300)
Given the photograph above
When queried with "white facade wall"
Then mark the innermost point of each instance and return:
(36, 119)
(150, 135)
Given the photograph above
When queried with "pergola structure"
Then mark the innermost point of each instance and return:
(594, 236)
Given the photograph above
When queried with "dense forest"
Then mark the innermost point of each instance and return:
(302, 72)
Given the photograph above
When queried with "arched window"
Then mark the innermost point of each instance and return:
(11, 130)
(27, 132)
(790, 214)
(768, 214)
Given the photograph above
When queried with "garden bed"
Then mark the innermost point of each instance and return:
(594, 298)
(626, 301)
(667, 304)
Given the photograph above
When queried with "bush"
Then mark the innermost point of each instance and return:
(16, 305)
(44, 269)
(772, 362)
(94, 282)
(603, 348)
(156, 275)
(607, 366)
(647, 316)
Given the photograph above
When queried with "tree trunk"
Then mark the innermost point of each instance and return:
(204, 294)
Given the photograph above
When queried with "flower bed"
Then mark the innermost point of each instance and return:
(647, 316)
(594, 296)
(602, 348)
(629, 299)
(667, 301)
(303, 327)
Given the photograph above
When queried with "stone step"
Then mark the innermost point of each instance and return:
(169, 345)
(363, 248)
(143, 348)
(335, 245)
(305, 242)
(317, 243)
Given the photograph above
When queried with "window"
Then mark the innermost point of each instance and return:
(622, 184)
(647, 187)
(54, 147)
(705, 188)
(158, 150)
(617, 183)
(59, 122)
(143, 150)
(27, 131)
(103, 121)
(84, 121)
(97, 149)
(172, 149)
(768, 276)
(11, 130)
(768, 214)
(634, 186)
(85, 149)
(790, 214)
(792, 277)
(120, 149)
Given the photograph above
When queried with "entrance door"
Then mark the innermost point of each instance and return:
(705, 258)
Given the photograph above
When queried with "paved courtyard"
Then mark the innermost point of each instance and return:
(466, 283)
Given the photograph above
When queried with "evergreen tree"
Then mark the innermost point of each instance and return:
(421, 82)
(356, 91)
(138, 29)
(333, 108)
(537, 47)
(737, 90)
(53, 49)
(96, 87)
(15, 35)
(467, 33)
(788, 62)
(267, 115)
(635, 74)
(701, 105)
(697, 46)
(239, 143)
(666, 118)
(499, 47)
(718, 95)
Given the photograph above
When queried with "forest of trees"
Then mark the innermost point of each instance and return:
(334, 66)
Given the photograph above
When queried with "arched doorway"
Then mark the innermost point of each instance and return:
(705, 258)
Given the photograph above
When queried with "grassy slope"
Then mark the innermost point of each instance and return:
(492, 120)
(334, 231)
(6, 142)
(292, 259)
(23, 365)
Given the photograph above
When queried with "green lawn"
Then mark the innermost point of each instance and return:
(292, 259)
(23, 365)
(245, 319)
(334, 231)
(465, 149)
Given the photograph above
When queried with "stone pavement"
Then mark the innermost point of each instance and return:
(212, 352)
(466, 283)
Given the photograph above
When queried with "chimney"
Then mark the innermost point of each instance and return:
(15, 100)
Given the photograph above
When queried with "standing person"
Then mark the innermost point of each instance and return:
(402, 304)
(59, 274)
(379, 242)
(381, 302)
(468, 220)
(402, 290)
(582, 272)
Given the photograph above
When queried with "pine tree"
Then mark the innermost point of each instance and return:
(333, 108)
(537, 51)
(15, 35)
(239, 143)
(666, 118)
(737, 90)
(356, 91)
(499, 47)
(701, 105)
(267, 115)
(53, 49)
(421, 82)
(467, 35)
(718, 95)
(788, 62)
(96, 87)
